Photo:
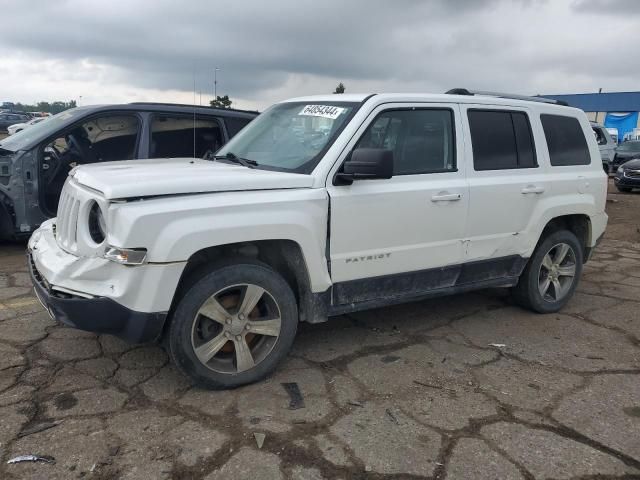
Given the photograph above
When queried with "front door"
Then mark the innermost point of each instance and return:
(391, 237)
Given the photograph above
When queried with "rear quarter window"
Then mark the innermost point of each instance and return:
(565, 140)
(234, 125)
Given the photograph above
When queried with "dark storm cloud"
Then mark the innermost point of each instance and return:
(260, 45)
(607, 7)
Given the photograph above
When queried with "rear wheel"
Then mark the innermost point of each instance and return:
(552, 273)
(234, 325)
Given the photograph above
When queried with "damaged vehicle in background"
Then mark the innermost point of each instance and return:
(35, 162)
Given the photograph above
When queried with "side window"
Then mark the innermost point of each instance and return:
(174, 136)
(101, 139)
(565, 139)
(600, 137)
(422, 140)
(501, 140)
(235, 124)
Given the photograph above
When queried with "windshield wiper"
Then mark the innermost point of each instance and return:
(245, 162)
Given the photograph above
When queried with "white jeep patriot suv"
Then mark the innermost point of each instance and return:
(321, 206)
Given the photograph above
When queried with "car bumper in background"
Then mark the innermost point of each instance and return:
(624, 181)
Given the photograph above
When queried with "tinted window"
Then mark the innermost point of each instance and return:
(565, 139)
(501, 140)
(422, 141)
(234, 125)
(524, 140)
(179, 137)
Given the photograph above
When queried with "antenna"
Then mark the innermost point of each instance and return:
(194, 111)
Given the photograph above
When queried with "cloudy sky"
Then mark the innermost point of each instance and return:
(135, 50)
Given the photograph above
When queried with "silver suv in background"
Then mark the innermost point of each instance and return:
(606, 144)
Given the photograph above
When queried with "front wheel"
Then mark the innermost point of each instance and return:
(234, 325)
(552, 273)
(624, 189)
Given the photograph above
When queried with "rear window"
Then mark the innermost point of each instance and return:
(501, 140)
(178, 136)
(565, 139)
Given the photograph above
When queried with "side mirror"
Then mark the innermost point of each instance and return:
(366, 164)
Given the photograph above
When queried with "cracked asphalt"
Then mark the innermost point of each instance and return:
(464, 387)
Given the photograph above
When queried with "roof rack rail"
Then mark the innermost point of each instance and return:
(464, 91)
(168, 104)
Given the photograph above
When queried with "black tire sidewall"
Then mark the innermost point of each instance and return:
(180, 346)
(535, 299)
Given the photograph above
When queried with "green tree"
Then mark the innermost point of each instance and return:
(53, 108)
(340, 88)
(221, 102)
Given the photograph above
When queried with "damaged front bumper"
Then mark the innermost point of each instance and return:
(100, 296)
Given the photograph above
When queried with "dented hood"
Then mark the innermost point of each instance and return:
(152, 177)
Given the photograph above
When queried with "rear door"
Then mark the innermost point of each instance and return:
(506, 182)
(390, 237)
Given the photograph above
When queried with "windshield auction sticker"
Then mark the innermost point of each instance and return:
(324, 111)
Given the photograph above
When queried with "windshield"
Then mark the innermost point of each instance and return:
(629, 147)
(290, 136)
(40, 130)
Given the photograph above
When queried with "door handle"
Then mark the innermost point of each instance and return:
(446, 197)
(532, 189)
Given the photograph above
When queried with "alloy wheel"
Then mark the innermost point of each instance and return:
(236, 328)
(557, 272)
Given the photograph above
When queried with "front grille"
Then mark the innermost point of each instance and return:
(632, 173)
(67, 221)
(36, 274)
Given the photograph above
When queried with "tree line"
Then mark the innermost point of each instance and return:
(48, 107)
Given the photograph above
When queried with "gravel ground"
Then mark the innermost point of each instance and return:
(413, 391)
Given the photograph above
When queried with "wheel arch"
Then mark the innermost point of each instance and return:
(284, 256)
(578, 224)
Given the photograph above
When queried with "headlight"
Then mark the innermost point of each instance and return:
(620, 169)
(126, 256)
(97, 224)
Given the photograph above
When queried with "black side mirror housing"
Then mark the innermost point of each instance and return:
(366, 164)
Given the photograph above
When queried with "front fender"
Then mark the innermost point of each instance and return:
(174, 228)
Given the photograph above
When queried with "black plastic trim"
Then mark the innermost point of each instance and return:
(423, 283)
(99, 314)
(439, 292)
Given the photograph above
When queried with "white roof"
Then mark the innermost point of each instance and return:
(425, 97)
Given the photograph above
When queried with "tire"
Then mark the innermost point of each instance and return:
(535, 277)
(624, 189)
(212, 348)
